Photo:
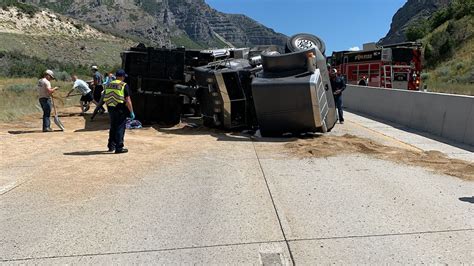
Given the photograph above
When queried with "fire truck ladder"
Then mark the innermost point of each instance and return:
(387, 76)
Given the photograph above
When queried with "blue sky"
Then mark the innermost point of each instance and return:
(342, 24)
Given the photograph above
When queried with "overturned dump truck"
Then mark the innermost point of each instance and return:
(247, 88)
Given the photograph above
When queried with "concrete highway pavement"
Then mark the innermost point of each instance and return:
(236, 200)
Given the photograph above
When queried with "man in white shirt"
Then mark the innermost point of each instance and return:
(82, 87)
(44, 95)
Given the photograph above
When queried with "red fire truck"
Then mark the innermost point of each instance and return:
(395, 66)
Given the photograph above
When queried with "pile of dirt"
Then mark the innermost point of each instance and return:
(349, 144)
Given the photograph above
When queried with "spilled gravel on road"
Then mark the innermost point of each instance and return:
(327, 146)
(74, 165)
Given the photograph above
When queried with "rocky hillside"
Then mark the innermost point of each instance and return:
(412, 11)
(191, 23)
(34, 39)
(44, 34)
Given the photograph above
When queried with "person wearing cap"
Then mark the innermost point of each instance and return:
(338, 85)
(97, 85)
(117, 98)
(86, 93)
(44, 94)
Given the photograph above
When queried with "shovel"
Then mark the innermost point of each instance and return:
(68, 98)
(56, 118)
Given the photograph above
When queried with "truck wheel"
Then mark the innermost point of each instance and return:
(304, 41)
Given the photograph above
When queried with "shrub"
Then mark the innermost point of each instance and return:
(414, 33)
(30, 10)
(62, 75)
(441, 16)
(78, 26)
(466, 78)
(417, 30)
(440, 46)
(20, 88)
(425, 76)
(462, 8)
(446, 49)
(442, 72)
(15, 64)
(451, 28)
(428, 52)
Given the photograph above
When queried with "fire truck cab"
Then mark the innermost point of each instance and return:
(395, 66)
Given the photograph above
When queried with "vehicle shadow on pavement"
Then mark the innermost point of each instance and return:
(467, 199)
(87, 153)
(223, 135)
(100, 122)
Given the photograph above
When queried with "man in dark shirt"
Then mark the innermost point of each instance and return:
(338, 85)
(119, 105)
(97, 86)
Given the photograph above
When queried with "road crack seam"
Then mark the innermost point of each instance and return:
(382, 235)
(140, 251)
(274, 206)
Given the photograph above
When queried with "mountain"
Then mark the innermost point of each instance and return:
(46, 35)
(33, 40)
(191, 23)
(412, 11)
(445, 28)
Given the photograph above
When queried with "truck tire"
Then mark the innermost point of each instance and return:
(304, 41)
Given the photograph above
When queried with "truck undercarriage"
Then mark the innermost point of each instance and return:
(243, 88)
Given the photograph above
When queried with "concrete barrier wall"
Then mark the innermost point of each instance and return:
(446, 115)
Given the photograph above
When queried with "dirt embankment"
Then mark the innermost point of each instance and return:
(47, 35)
(348, 144)
(45, 23)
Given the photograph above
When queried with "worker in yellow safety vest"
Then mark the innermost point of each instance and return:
(119, 105)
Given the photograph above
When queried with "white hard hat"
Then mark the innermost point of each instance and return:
(95, 67)
(50, 72)
(333, 71)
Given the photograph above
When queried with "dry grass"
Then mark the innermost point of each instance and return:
(18, 97)
(454, 88)
(455, 75)
(5, 82)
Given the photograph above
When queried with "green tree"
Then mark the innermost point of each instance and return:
(446, 49)
(429, 53)
(462, 8)
(441, 16)
(415, 33)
